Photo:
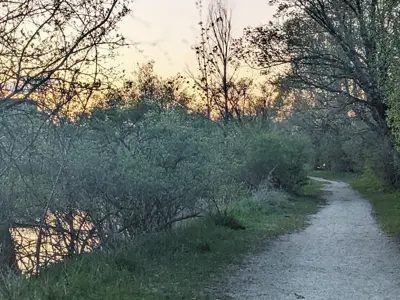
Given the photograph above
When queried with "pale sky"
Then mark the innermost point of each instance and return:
(166, 29)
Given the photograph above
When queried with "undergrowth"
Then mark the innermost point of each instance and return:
(179, 264)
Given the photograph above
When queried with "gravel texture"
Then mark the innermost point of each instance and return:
(342, 255)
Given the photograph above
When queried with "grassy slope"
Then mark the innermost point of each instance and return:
(386, 202)
(174, 265)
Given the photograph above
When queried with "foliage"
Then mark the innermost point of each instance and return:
(140, 162)
(276, 158)
(180, 264)
(131, 169)
(343, 56)
(227, 220)
(145, 84)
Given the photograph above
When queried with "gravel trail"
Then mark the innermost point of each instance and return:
(342, 255)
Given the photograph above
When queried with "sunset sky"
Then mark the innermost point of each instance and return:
(166, 29)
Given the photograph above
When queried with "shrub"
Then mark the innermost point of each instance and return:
(276, 158)
(226, 220)
(134, 170)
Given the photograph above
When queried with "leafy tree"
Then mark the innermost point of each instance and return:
(51, 62)
(346, 49)
(147, 86)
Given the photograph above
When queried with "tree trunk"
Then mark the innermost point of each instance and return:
(8, 258)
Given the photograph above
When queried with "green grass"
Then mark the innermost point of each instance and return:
(386, 202)
(180, 264)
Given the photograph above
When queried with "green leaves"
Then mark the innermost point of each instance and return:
(276, 158)
(140, 168)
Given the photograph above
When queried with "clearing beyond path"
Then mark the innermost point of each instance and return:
(342, 255)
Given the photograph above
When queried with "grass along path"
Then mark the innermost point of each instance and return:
(181, 264)
(386, 202)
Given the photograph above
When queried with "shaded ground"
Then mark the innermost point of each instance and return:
(341, 255)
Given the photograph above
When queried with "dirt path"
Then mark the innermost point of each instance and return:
(342, 255)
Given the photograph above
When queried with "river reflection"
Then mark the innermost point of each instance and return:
(62, 235)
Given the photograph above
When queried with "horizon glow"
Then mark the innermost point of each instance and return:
(165, 30)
